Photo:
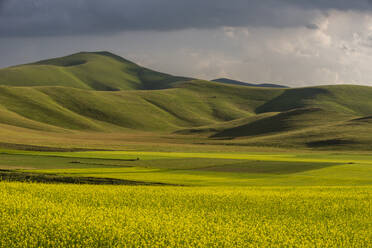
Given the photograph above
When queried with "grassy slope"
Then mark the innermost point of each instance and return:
(196, 107)
(323, 117)
(317, 117)
(194, 104)
(98, 71)
(102, 92)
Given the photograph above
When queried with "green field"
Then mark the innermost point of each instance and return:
(96, 151)
(202, 169)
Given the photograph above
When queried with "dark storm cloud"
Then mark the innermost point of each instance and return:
(2, 2)
(71, 17)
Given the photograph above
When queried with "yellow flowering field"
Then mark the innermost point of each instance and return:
(46, 215)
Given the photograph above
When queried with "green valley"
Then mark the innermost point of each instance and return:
(97, 151)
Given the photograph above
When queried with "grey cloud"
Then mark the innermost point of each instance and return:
(332, 4)
(74, 17)
(312, 26)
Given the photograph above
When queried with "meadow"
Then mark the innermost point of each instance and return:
(200, 168)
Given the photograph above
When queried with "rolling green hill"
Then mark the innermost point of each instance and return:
(98, 70)
(103, 93)
(192, 104)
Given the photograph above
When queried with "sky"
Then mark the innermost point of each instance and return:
(291, 42)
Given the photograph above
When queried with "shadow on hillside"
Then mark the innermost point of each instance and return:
(330, 142)
(291, 99)
(269, 167)
(9, 175)
(273, 124)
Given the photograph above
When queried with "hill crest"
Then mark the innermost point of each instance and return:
(236, 82)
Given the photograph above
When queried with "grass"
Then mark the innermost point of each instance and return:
(199, 169)
(261, 156)
(269, 174)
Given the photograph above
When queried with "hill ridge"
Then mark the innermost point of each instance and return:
(236, 82)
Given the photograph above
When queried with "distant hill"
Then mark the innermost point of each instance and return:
(88, 70)
(101, 92)
(235, 82)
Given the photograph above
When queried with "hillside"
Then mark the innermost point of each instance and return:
(192, 104)
(103, 93)
(98, 71)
